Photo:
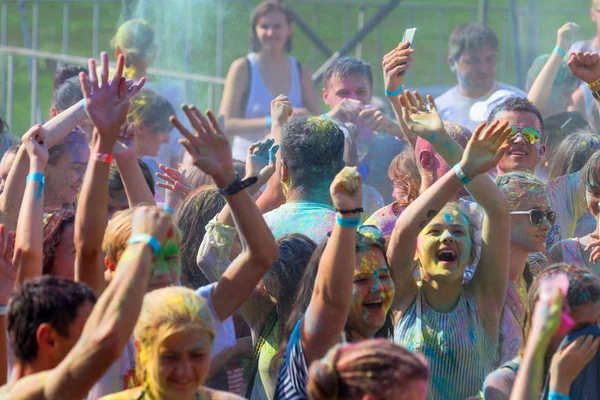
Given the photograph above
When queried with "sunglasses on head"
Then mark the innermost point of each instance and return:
(537, 216)
(531, 135)
(370, 234)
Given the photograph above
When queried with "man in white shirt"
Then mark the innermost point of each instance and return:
(472, 54)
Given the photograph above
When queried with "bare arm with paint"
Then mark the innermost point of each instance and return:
(29, 239)
(135, 184)
(542, 86)
(281, 111)
(545, 321)
(210, 151)
(395, 62)
(482, 153)
(331, 299)
(110, 324)
(107, 105)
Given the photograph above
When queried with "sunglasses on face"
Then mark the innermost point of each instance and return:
(537, 216)
(531, 135)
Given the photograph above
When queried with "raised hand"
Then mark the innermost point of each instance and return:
(394, 62)
(175, 180)
(35, 145)
(585, 66)
(346, 110)
(281, 109)
(209, 148)
(346, 189)
(8, 264)
(125, 146)
(107, 102)
(152, 221)
(485, 149)
(416, 117)
(261, 161)
(566, 35)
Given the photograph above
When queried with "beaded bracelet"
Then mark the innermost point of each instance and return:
(356, 210)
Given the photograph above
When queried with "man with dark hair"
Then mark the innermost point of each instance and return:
(45, 319)
(312, 151)
(526, 145)
(472, 52)
(348, 91)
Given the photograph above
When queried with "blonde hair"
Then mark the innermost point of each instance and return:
(165, 312)
(118, 232)
(135, 39)
(516, 185)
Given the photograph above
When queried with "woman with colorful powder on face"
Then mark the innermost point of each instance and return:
(455, 325)
(253, 81)
(346, 291)
(173, 337)
(530, 221)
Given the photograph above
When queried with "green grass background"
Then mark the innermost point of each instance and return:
(335, 26)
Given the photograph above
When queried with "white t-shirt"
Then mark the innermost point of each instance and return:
(455, 107)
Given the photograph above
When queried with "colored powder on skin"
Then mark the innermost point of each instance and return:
(448, 218)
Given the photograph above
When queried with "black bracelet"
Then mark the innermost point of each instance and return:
(356, 210)
(237, 186)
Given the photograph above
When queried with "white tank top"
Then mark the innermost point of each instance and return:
(259, 102)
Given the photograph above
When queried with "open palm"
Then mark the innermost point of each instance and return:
(209, 148)
(485, 148)
(417, 117)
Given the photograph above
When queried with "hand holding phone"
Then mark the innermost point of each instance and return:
(409, 36)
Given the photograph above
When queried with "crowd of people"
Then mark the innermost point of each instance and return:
(444, 249)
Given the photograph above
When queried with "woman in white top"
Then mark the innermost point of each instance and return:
(253, 81)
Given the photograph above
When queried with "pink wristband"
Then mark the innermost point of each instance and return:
(103, 157)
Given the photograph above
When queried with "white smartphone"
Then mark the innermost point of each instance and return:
(409, 36)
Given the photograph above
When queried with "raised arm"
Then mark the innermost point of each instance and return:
(492, 273)
(542, 86)
(482, 153)
(136, 187)
(29, 239)
(329, 306)
(395, 62)
(281, 111)
(211, 153)
(110, 324)
(107, 103)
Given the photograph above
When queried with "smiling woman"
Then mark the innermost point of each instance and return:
(67, 163)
